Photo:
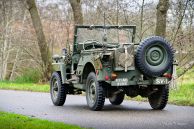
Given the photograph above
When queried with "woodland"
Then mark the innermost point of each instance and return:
(31, 31)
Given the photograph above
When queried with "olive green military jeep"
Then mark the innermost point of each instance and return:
(106, 63)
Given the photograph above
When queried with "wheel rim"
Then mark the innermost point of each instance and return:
(156, 56)
(55, 89)
(92, 92)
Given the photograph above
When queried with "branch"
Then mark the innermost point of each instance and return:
(180, 21)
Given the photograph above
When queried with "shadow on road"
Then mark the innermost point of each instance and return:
(113, 109)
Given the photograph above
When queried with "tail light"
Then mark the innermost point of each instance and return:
(106, 77)
(167, 75)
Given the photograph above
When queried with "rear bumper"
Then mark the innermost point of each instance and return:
(127, 82)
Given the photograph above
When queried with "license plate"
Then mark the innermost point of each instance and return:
(159, 81)
(121, 81)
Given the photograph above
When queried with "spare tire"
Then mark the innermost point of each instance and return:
(154, 56)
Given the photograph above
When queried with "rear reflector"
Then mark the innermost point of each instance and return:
(106, 77)
(167, 75)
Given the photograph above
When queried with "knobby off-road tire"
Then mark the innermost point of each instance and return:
(117, 99)
(94, 93)
(154, 56)
(57, 89)
(159, 99)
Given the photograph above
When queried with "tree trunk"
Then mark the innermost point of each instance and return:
(43, 46)
(162, 9)
(141, 20)
(77, 11)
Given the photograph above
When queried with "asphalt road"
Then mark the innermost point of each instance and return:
(129, 115)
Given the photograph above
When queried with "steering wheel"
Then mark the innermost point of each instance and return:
(92, 42)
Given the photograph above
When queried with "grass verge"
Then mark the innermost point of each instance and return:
(24, 86)
(184, 94)
(15, 121)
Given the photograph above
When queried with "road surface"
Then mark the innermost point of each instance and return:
(129, 115)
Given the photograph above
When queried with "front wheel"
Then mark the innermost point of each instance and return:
(158, 100)
(94, 93)
(117, 99)
(57, 89)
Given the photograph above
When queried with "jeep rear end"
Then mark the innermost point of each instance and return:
(109, 64)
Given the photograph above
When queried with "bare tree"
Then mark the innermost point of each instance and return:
(43, 46)
(5, 40)
(77, 11)
(141, 20)
(18, 53)
(162, 9)
(182, 10)
(183, 35)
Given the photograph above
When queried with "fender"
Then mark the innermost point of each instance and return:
(90, 63)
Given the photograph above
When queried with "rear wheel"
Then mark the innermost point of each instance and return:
(117, 99)
(94, 93)
(57, 89)
(158, 100)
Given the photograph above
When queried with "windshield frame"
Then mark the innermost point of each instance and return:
(132, 27)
